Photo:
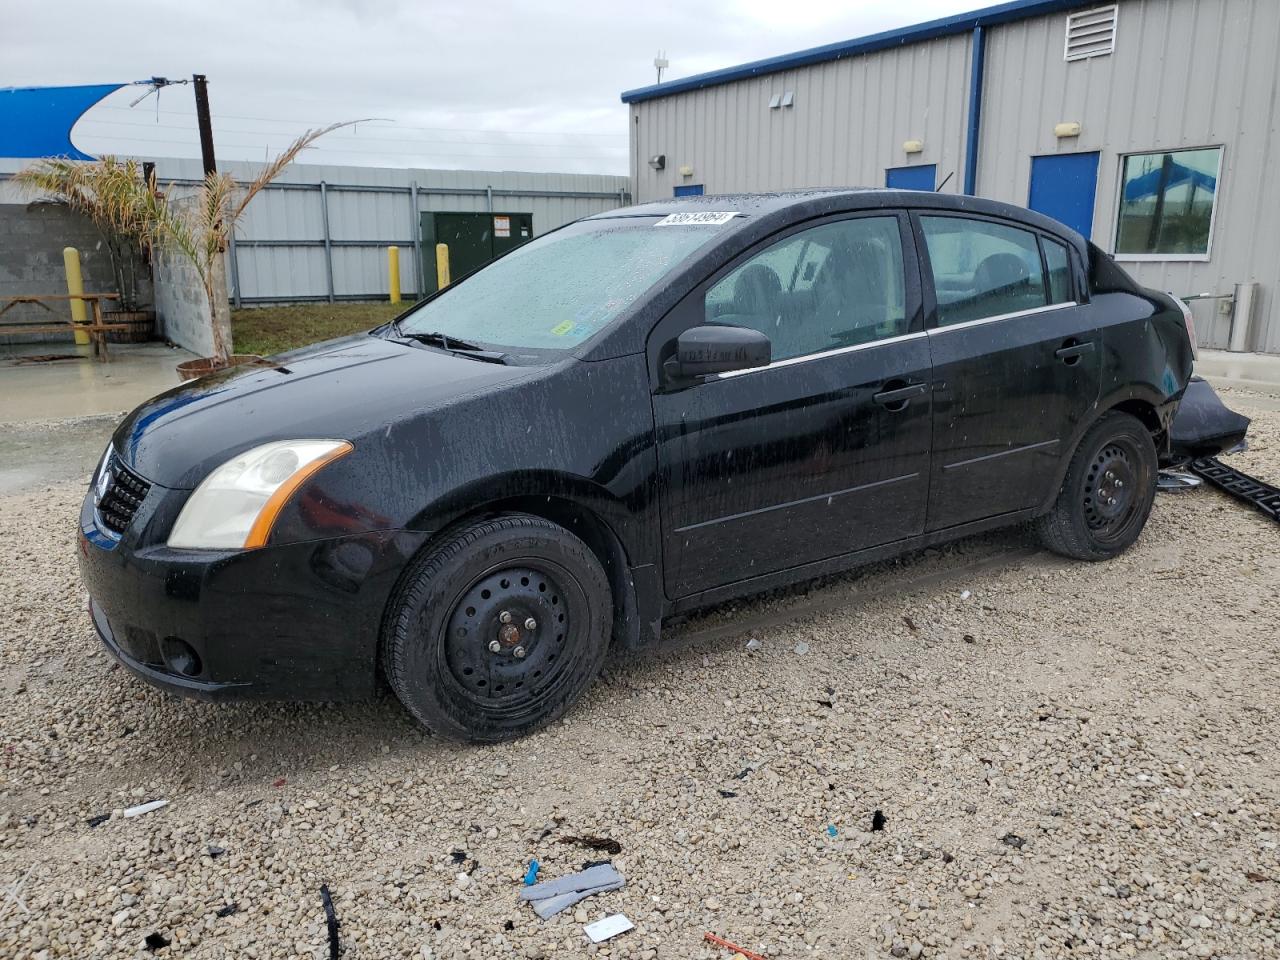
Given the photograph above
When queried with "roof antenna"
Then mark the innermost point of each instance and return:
(661, 63)
(945, 182)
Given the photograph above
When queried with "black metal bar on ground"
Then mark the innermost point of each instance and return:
(1261, 496)
(331, 922)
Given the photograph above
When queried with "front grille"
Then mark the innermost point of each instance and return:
(119, 495)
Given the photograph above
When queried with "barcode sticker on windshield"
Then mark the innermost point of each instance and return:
(707, 218)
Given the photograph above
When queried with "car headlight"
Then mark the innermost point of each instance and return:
(237, 505)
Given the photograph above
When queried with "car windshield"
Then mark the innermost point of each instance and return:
(554, 292)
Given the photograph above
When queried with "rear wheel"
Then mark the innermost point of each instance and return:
(499, 629)
(1107, 493)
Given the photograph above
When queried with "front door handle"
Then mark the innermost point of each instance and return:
(1071, 351)
(896, 398)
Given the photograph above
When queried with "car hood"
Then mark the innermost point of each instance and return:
(341, 389)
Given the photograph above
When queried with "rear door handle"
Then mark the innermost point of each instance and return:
(1071, 351)
(896, 399)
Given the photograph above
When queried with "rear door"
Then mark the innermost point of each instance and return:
(1015, 358)
(825, 451)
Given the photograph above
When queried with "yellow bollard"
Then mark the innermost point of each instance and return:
(75, 284)
(393, 271)
(442, 265)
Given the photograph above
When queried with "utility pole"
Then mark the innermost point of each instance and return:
(206, 125)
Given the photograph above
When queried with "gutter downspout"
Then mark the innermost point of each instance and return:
(978, 64)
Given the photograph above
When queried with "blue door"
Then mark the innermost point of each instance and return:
(924, 177)
(1063, 186)
(689, 190)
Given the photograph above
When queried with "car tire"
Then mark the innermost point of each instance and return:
(1107, 493)
(459, 650)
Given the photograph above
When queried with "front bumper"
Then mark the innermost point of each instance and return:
(290, 622)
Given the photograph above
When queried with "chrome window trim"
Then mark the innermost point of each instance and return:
(792, 361)
(1004, 316)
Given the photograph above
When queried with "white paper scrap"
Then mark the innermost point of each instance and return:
(142, 808)
(607, 928)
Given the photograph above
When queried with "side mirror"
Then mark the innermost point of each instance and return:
(710, 349)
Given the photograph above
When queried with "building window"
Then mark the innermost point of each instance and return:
(688, 190)
(1091, 33)
(1167, 204)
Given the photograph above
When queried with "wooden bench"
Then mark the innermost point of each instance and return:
(96, 329)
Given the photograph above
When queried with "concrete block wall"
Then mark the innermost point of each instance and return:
(181, 305)
(32, 236)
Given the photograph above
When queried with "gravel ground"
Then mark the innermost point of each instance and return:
(1071, 761)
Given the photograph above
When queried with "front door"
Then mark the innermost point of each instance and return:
(1063, 186)
(1016, 363)
(825, 451)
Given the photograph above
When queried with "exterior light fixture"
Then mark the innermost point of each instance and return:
(913, 146)
(686, 170)
(1067, 129)
(658, 161)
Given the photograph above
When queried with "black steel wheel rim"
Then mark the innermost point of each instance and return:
(514, 634)
(1112, 493)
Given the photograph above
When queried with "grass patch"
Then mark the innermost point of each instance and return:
(268, 330)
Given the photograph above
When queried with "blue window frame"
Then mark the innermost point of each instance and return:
(689, 190)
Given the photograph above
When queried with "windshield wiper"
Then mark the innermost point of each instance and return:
(455, 345)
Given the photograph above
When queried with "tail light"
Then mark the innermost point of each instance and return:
(1189, 319)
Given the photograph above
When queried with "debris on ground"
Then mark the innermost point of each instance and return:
(969, 638)
(878, 820)
(726, 793)
(729, 945)
(155, 941)
(911, 624)
(608, 928)
(831, 830)
(607, 844)
(551, 896)
(330, 922)
(1176, 481)
(279, 782)
(1012, 840)
(98, 819)
(531, 875)
(753, 644)
(459, 856)
(226, 911)
(214, 852)
(142, 808)
(801, 648)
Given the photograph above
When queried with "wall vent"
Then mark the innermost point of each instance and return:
(1091, 33)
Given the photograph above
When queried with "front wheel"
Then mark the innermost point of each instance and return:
(1107, 493)
(499, 629)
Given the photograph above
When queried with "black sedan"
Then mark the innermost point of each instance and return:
(640, 413)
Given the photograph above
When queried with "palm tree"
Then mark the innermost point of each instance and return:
(113, 194)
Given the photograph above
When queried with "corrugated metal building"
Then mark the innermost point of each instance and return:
(1149, 125)
(321, 232)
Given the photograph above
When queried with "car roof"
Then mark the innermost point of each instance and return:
(809, 202)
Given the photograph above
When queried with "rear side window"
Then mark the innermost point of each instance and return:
(835, 285)
(1058, 261)
(982, 269)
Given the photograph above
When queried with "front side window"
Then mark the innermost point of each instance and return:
(982, 269)
(554, 292)
(1166, 204)
(835, 285)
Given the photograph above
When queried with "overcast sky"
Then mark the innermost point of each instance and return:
(500, 85)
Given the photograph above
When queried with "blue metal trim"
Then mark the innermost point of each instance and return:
(978, 59)
(946, 26)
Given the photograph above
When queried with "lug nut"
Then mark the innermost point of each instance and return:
(531, 624)
(519, 652)
(495, 646)
(504, 616)
(1119, 484)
